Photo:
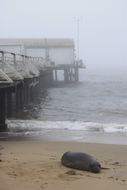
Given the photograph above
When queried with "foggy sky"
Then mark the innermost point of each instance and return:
(102, 29)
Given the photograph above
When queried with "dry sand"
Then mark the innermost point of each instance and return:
(35, 165)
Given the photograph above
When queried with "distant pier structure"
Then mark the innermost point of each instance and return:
(28, 65)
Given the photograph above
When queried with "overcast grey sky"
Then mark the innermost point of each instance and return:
(103, 27)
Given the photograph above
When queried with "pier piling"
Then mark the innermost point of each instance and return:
(3, 126)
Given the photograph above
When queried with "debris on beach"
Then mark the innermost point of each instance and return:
(71, 172)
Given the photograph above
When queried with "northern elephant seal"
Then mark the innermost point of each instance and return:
(80, 161)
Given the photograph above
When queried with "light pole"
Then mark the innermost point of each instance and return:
(77, 21)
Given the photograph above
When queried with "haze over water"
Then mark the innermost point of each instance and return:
(97, 98)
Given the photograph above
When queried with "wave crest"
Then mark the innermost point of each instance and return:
(34, 125)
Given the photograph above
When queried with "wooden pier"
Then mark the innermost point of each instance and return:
(22, 77)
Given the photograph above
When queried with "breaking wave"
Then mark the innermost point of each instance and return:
(34, 126)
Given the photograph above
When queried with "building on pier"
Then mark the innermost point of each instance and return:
(60, 51)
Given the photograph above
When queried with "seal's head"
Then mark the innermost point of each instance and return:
(95, 167)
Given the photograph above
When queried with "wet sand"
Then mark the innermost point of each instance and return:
(30, 165)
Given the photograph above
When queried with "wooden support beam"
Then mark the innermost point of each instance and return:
(66, 75)
(2, 60)
(3, 126)
(55, 74)
(76, 74)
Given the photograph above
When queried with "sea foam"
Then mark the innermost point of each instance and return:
(35, 125)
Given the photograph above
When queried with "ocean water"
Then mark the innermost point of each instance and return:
(94, 110)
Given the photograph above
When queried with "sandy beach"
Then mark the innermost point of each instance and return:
(30, 165)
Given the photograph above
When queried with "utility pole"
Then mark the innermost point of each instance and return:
(77, 38)
(77, 21)
(46, 51)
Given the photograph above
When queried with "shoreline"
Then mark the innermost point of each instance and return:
(35, 164)
(77, 131)
(57, 135)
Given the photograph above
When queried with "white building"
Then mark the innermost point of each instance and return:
(60, 51)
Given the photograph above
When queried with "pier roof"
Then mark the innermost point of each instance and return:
(37, 42)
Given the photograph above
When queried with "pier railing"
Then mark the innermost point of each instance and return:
(17, 67)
